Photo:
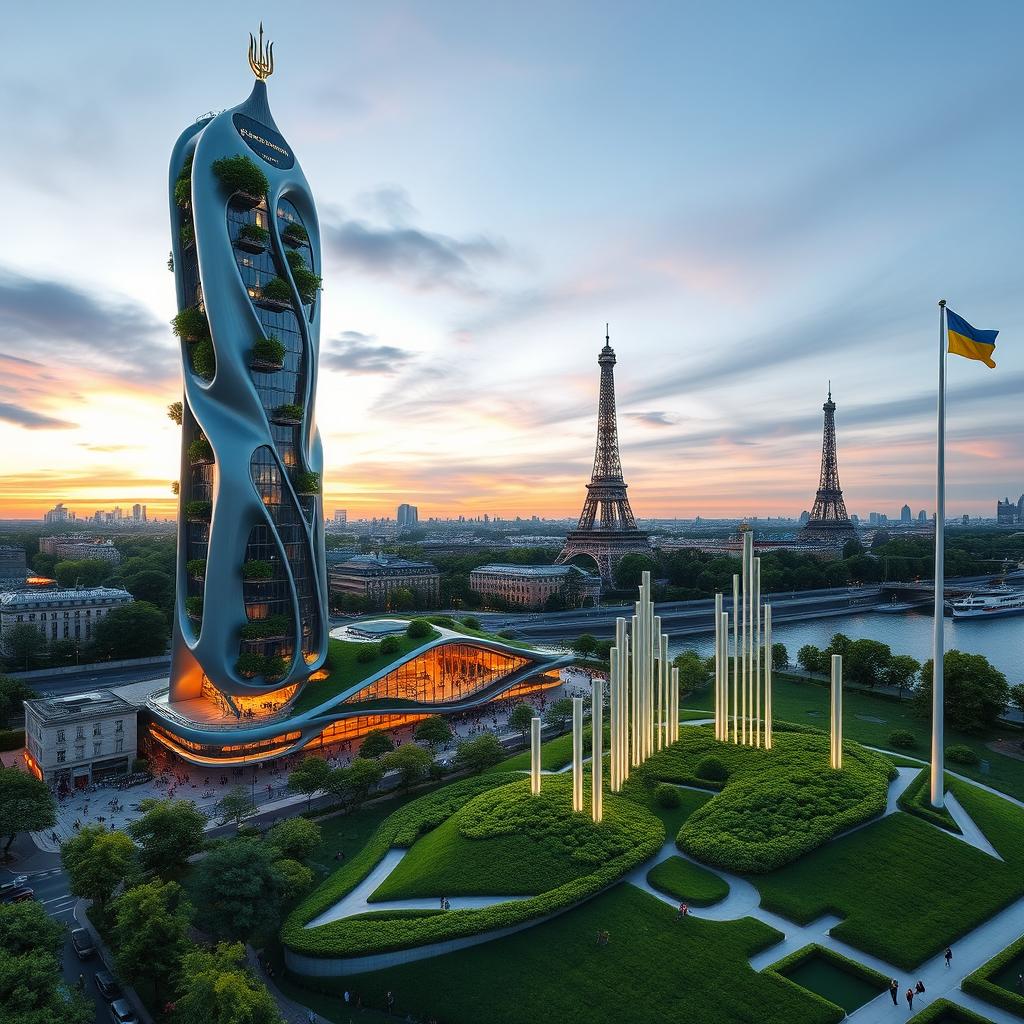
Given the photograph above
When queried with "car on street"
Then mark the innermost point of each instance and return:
(82, 941)
(107, 986)
(17, 894)
(121, 1012)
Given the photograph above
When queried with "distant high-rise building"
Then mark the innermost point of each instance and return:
(805, 517)
(407, 516)
(340, 516)
(1010, 513)
(922, 518)
(906, 516)
(58, 514)
(137, 513)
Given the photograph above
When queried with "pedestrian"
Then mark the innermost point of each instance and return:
(910, 999)
(390, 1000)
(80, 984)
(894, 991)
(312, 1017)
(949, 956)
(1020, 983)
(683, 911)
(919, 987)
(348, 996)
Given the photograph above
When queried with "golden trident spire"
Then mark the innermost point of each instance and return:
(262, 64)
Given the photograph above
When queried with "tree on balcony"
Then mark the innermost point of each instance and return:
(288, 413)
(295, 234)
(240, 175)
(191, 325)
(204, 359)
(256, 569)
(200, 451)
(268, 352)
(306, 483)
(198, 510)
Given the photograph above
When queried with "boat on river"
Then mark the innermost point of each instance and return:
(991, 604)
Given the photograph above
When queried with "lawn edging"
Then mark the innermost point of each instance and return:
(913, 801)
(980, 983)
(944, 1010)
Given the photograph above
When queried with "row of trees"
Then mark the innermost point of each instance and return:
(976, 692)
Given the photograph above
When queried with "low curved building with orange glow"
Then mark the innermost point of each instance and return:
(367, 684)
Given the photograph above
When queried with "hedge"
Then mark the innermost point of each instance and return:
(980, 983)
(915, 800)
(942, 1011)
(689, 883)
(198, 510)
(12, 739)
(263, 629)
(349, 938)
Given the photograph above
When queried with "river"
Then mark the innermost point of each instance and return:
(1000, 640)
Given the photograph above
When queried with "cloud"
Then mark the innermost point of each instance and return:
(32, 420)
(654, 418)
(396, 249)
(59, 321)
(354, 352)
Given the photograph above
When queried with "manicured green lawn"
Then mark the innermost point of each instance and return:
(554, 754)
(806, 702)
(905, 888)
(346, 669)
(687, 882)
(653, 969)
(508, 842)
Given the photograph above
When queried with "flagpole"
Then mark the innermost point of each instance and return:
(938, 786)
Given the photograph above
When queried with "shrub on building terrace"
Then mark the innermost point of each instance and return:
(257, 569)
(265, 629)
(289, 411)
(191, 324)
(274, 666)
(268, 350)
(198, 510)
(277, 290)
(240, 174)
(200, 450)
(196, 567)
(204, 359)
(254, 233)
(295, 234)
(194, 606)
(187, 235)
(306, 482)
(250, 664)
(183, 191)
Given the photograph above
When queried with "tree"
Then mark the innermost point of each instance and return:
(26, 805)
(295, 878)
(839, 644)
(376, 743)
(151, 585)
(571, 590)
(352, 785)
(1017, 696)
(521, 717)
(811, 658)
(976, 693)
(174, 412)
(584, 645)
(136, 630)
(217, 988)
(235, 805)
(294, 838)
(630, 568)
(31, 989)
(169, 832)
(25, 645)
(479, 753)
(780, 657)
(693, 672)
(238, 889)
(97, 861)
(411, 762)
(310, 777)
(149, 935)
(434, 731)
(558, 713)
(903, 670)
(866, 662)
(418, 629)
(12, 693)
(86, 572)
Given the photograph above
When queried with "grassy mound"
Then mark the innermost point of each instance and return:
(775, 805)
(688, 882)
(604, 851)
(905, 888)
(507, 842)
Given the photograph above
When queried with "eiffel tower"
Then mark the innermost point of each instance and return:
(829, 522)
(606, 530)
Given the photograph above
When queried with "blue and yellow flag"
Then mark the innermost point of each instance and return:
(968, 341)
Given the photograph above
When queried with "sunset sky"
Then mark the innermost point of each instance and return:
(757, 197)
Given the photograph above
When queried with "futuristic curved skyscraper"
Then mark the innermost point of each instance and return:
(251, 610)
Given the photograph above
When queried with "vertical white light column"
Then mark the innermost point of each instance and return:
(663, 678)
(757, 648)
(735, 658)
(723, 639)
(634, 694)
(674, 705)
(577, 753)
(656, 687)
(768, 677)
(535, 756)
(624, 684)
(721, 711)
(597, 749)
(744, 607)
(836, 758)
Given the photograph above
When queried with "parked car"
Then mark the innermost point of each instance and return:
(82, 941)
(121, 1012)
(107, 985)
(19, 893)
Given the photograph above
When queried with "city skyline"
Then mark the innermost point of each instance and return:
(584, 174)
